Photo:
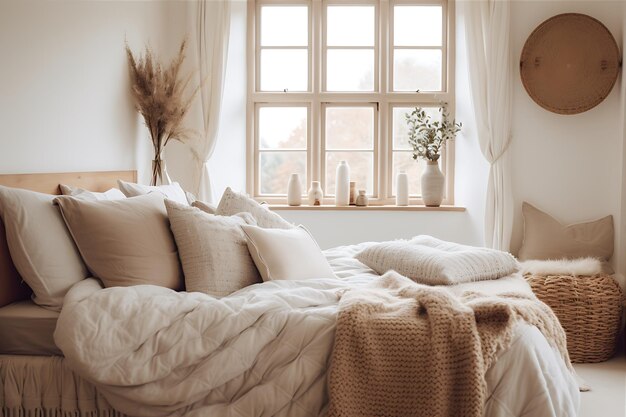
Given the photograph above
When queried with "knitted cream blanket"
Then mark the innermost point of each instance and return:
(404, 349)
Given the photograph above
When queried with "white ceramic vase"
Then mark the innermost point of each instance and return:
(316, 195)
(342, 184)
(294, 190)
(432, 184)
(402, 189)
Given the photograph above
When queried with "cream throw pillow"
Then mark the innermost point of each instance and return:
(428, 260)
(546, 238)
(212, 249)
(112, 194)
(125, 242)
(41, 247)
(286, 254)
(171, 191)
(233, 203)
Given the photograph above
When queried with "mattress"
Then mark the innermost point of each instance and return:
(27, 329)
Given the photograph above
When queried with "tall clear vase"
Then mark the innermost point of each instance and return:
(159, 172)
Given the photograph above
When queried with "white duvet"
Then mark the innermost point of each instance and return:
(262, 351)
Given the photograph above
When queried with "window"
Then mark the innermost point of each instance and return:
(331, 80)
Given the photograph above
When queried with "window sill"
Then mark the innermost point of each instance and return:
(367, 208)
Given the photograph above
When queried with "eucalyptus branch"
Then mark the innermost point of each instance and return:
(428, 137)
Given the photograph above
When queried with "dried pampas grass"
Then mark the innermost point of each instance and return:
(160, 97)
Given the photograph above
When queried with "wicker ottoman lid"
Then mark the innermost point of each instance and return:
(570, 63)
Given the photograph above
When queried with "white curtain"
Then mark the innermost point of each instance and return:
(209, 25)
(487, 29)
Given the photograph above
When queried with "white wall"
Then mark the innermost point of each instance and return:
(64, 89)
(569, 166)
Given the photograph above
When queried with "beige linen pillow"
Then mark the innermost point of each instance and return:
(112, 194)
(233, 203)
(546, 238)
(212, 250)
(286, 253)
(41, 247)
(171, 191)
(125, 242)
(207, 208)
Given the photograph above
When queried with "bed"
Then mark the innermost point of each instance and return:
(528, 379)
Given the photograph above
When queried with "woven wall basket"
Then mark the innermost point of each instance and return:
(589, 309)
(570, 63)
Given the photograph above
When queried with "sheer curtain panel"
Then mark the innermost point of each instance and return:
(487, 26)
(209, 25)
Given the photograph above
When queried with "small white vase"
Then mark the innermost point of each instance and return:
(361, 199)
(316, 195)
(342, 184)
(402, 189)
(294, 190)
(432, 184)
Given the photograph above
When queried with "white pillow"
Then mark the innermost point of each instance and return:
(212, 250)
(286, 253)
(233, 203)
(109, 195)
(171, 191)
(431, 261)
(41, 247)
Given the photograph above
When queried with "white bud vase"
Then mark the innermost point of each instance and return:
(402, 189)
(342, 184)
(432, 184)
(294, 190)
(316, 195)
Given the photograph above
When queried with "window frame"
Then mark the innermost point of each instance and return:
(383, 99)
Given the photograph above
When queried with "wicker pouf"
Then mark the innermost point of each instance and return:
(589, 309)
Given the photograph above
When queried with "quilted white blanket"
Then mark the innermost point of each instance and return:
(262, 351)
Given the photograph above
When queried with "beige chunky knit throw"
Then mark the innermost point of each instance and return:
(404, 349)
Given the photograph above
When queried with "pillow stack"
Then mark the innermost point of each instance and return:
(234, 245)
(156, 236)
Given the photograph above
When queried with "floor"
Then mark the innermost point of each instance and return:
(607, 380)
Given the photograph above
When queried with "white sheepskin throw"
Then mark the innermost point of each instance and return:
(573, 267)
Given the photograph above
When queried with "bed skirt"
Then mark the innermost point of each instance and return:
(43, 386)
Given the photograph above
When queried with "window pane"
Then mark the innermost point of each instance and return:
(400, 128)
(284, 26)
(361, 170)
(350, 70)
(349, 128)
(350, 26)
(284, 69)
(417, 69)
(403, 161)
(417, 25)
(282, 128)
(276, 168)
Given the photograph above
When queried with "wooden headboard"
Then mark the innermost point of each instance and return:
(49, 183)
